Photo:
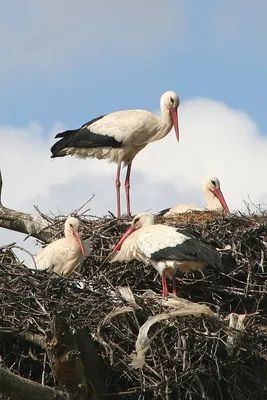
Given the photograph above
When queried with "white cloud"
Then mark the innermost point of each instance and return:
(48, 34)
(214, 140)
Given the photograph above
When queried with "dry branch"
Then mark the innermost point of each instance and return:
(188, 357)
(17, 388)
(28, 336)
(66, 362)
(94, 367)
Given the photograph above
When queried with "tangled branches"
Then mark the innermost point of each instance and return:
(189, 357)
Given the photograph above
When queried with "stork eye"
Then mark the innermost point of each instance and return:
(213, 182)
(136, 220)
(71, 226)
(172, 100)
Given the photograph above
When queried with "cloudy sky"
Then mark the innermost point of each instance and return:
(64, 63)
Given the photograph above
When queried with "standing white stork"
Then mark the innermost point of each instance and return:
(119, 136)
(165, 248)
(215, 201)
(63, 255)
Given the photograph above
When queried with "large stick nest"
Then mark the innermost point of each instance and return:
(189, 357)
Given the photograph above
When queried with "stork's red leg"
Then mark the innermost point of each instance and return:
(127, 189)
(164, 285)
(174, 291)
(118, 185)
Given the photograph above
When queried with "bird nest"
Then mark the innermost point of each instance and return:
(209, 343)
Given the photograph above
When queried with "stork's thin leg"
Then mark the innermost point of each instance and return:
(127, 189)
(164, 285)
(174, 291)
(118, 191)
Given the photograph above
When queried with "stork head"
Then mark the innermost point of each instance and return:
(170, 101)
(211, 184)
(72, 228)
(140, 220)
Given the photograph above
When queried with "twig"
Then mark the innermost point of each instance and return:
(43, 373)
(80, 208)
(26, 251)
(7, 246)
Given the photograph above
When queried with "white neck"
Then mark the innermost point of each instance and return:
(69, 235)
(147, 223)
(165, 123)
(211, 200)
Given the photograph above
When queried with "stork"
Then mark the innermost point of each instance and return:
(165, 248)
(119, 136)
(63, 255)
(215, 201)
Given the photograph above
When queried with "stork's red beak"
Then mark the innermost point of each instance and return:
(77, 237)
(174, 117)
(129, 231)
(220, 197)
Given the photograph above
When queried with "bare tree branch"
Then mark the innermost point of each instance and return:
(35, 226)
(28, 336)
(17, 388)
(65, 361)
(95, 369)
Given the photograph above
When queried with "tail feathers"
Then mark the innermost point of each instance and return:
(216, 259)
(207, 252)
(67, 137)
(66, 133)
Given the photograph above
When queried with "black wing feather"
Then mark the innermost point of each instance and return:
(193, 249)
(82, 138)
(162, 212)
(63, 134)
(192, 234)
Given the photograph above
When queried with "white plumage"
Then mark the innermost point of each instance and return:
(63, 255)
(215, 201)
(165, 248)
(119, 136)
(134, 128)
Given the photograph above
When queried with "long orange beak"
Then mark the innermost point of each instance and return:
(77, 237)
(174, 116)
(220, 197)
(129, 231)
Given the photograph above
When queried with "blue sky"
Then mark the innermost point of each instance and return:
(64, 63)
(199, 57)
